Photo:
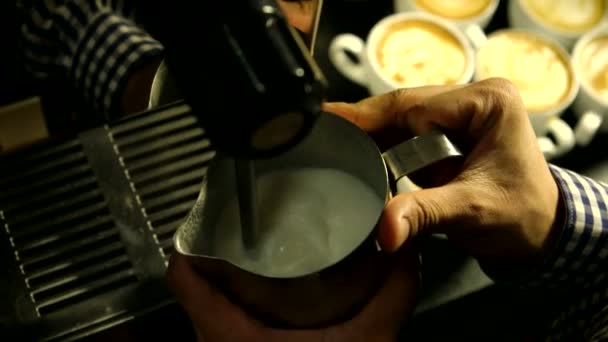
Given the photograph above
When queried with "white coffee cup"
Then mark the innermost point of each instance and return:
(590, 105)
(499, 51)
(463, 13)
(562, 20)
(367, 70)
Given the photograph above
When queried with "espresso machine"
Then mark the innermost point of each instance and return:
(246, 72)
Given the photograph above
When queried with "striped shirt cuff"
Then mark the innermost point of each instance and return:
(108, 51)
(580, 256)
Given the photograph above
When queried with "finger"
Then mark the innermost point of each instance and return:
(434, 210)
(467, 112)
(202, 300)
(381, 111)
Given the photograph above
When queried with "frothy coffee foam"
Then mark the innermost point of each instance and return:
(593, 64)
(454, 9)
(535, 67)
(417, 53)
(570, 15)
(308, 218)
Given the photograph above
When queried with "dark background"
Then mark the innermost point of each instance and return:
(15, 84)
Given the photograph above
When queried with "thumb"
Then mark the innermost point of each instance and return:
(435, 210)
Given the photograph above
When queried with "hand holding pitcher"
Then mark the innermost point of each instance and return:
(501, 206)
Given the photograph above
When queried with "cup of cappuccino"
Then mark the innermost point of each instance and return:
(407, 49)
(590, 62)
(460, 12)
(541, 70)
(563, 20)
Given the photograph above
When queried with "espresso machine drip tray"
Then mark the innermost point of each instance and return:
(86, 224)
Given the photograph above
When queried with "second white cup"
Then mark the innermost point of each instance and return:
(541, 69)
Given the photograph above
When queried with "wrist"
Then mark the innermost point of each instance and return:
(547, 270)
(556, 227)
(540, 218)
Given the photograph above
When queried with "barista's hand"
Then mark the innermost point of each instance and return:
(215, 318)
(502, 204)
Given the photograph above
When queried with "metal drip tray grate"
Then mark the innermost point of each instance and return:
(65, 242)
(86, 224)
(165, 155)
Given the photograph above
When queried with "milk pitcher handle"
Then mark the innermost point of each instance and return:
(418, 153)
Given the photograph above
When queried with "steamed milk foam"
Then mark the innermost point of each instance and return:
(308, 219)
(593, 66)
(566, 15)
(535, 67)
(454, 9)
(417, 53)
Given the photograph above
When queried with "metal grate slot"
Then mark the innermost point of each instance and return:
(187, 195)
(73, 265)
(148, 120)
(66, 252)
(28, 238)
(165, 236)
(167, 247)
(46, 213)
(193, 163)
(152, 190)
(168, 229)
(165, 157)
(58, 222)
(50, 185)
(108, 284)
(42, 155)
(155, 133)
(168, 142)
(82, 278)
(167, 221)
(29, 248)
(170, 214)
(31, 171)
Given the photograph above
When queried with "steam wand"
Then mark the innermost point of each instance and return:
(247, 197)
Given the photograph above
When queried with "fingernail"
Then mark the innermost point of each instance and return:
(334, 106)
(404, 229)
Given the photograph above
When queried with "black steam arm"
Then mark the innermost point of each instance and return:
(242, 68)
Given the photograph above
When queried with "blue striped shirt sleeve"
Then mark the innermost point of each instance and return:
(577, 268)
(96, 45)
